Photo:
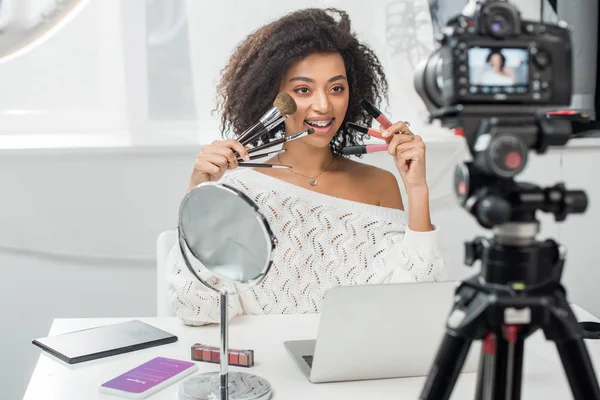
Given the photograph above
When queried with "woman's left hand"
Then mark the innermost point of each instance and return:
(409, 154)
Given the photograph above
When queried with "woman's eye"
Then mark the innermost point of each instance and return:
(337, 89)
(302, 90)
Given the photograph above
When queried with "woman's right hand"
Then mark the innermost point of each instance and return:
(215, 159)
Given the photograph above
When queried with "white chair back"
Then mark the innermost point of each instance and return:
(165, 242)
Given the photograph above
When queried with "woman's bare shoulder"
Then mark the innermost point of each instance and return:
(365, 170)
(375, 182)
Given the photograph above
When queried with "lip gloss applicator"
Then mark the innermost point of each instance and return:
(373, 132)
(378, 115)
(369, 131)
(375, 113)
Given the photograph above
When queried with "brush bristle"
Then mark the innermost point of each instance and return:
(285, 104)
(310, 131)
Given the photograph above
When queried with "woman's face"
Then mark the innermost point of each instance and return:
(319, 85)
(496, 61)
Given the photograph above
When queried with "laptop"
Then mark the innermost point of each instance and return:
(379, 331)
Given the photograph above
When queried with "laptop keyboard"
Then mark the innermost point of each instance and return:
(309, 360)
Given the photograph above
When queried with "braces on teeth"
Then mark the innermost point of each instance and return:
(319, 123)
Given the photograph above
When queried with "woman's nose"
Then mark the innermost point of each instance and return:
(321, 103)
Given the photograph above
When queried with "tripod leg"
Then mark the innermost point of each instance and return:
(486, 373)
(513, 363)
(446, 367)
(501, 366)
(579, 370)
(564, 330)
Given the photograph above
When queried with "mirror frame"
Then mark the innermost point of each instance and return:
(271, 239)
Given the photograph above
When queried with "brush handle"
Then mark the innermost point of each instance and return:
(263, 130)
(257, 127)
(275, 142)
(261, 155)
(282, 140)
(261, 165)
(266, 130)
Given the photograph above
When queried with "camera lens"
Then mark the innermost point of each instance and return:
(429, 80)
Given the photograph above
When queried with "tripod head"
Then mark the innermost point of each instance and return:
(486, 187)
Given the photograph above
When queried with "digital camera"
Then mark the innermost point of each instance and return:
(496, 58)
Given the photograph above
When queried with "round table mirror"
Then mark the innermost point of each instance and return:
(232, 243)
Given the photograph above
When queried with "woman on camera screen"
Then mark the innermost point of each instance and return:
(495, 71)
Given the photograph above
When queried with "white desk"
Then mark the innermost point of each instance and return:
(53, 379)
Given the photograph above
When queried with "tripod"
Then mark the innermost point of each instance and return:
(517, 292)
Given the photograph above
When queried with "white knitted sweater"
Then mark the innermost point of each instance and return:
(322, 241)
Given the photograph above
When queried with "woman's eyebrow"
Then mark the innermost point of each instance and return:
(310, 80)
(302, 78)
(336, 78)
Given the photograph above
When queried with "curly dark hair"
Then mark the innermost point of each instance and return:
(251, 79)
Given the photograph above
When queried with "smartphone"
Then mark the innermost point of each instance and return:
(148, 378)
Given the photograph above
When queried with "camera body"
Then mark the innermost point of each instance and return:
(538, 78)
(492, 76)
(496, 58)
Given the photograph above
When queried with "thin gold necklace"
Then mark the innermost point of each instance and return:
(312, 180)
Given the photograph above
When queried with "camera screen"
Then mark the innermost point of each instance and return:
(498, 70)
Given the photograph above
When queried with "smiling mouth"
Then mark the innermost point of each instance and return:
(319, 124)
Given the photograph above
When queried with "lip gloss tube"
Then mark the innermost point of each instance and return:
(364, 149)
(368, 131)
(375, 113)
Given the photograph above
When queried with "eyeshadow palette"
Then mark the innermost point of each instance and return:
(212, 354)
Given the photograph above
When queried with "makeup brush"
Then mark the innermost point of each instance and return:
(262, 165)
(283, 106)
(276, 123)
(276, 142)
(261, 155)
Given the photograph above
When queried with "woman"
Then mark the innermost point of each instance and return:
(496, 73)
(348, 226)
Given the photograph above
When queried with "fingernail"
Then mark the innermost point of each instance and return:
(246, 157)
(385, 133)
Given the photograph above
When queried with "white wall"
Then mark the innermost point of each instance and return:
(74, 82)
(56, 204)
(78, 226)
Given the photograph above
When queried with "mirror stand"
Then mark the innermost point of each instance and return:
(235, 247)
(225, 385)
